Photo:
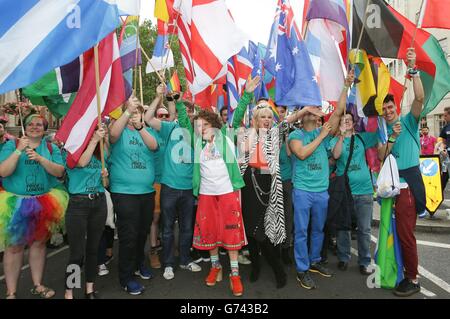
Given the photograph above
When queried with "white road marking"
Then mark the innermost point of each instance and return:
(48, 256)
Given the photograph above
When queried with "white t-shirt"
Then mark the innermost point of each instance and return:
(214, 178)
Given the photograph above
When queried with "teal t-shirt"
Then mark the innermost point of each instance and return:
(85, 180)
(178, 159)
(358, 172)
(132, 164)
(285, 164)
(311, 174)
(406, 149)
(159, 154)
(30, 178)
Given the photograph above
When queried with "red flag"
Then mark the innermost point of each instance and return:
(81, 120)
(435, 14)
(396, 89)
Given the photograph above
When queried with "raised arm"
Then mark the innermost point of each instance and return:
(384, 149)
(149, 117)
(118, 126)
(90, 149)
(239, 112)
(419, 95)
(342, 103)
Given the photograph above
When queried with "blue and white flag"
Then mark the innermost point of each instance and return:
(288, 60)
(129, 7)
(39, 36)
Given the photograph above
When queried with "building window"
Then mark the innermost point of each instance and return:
(439, 121)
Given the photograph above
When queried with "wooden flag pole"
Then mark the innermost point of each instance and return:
(20, 113)
(140, 85)
(171, 43)
(149, 61)
(136, 57)
(99, 111)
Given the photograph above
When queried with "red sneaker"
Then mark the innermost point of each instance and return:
(215, 275)
(236, 286)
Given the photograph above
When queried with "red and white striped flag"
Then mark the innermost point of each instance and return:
(81, 120)
(208, 38)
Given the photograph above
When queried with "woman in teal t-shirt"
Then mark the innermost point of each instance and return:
(30, 209)
(359, 176)
(132, 174)
(86, 214)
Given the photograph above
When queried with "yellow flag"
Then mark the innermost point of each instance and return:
(161, 11)
(383, 84)
(365, 85)
(116, 113)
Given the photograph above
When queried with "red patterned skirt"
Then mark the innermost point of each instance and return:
(219, 223)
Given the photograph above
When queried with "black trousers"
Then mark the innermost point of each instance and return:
(134, 218)
(85, 220)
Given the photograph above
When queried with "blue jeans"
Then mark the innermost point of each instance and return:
(308, 206)
(175, 202)
(364, 209)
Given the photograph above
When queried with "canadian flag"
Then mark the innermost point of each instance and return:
(208, 38)
(82, 118)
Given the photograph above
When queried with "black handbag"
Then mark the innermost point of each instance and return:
(340, 204)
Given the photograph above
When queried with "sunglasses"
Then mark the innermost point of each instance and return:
(262, 106)
(163, 116)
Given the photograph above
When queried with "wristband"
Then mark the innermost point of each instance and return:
(18, 152)
(391, 139)
(412, 71)
(139, 129)
(127, 113)
(169, 98)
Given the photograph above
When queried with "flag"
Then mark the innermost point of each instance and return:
(208, 38)
(288, 60)
(58, 105)
(174, 84)
(388, 254)
(431, 61)
(435, 14)
(38, 36)
(162, 54)
(396, 89)
(81, 120)
(383, 33)
(129, 7)
(128, 43)
(239, 68)
(256, 54)
(327, 41)
(163, 10)
(366, 89)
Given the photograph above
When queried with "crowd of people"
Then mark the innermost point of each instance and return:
(262, 188)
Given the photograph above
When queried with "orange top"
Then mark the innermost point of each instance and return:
(257, 160)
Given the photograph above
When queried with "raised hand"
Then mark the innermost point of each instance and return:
(24, 142)
(326, 129)
(411, 57)
(251, 84)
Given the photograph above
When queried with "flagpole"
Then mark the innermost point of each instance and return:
(136, 56)
(20, 112)
(140, 85)
(171, 42)
(149, 61)
(363, 26)
(99, 111)
(412, 45)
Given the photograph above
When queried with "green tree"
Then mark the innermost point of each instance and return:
(147, 33)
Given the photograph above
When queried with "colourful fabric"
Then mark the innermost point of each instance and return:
(358, 172)
(311, 174)
(24, 220)
(29, 177)
(219, 222)
(132, 164)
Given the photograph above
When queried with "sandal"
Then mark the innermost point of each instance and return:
(11, 296)
(45, 293)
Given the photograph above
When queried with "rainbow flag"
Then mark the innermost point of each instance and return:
(276, 116)
(174, 84)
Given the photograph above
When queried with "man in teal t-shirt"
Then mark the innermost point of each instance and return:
(310, 179)
(176, 186)
(404, 144)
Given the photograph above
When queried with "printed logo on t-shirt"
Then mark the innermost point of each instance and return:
(136, 162)
(31, 182)
(135, 141)
(91, 184)
(210, 152)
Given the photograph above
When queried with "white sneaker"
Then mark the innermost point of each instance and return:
(243, 260)
(103, 270)
(168, 273)
(192, 266)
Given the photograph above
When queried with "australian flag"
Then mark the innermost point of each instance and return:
(288, 60)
